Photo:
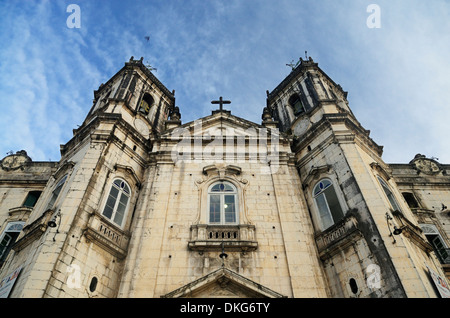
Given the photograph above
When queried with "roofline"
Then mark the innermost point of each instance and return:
(297, 71)
(138, 63)
(225, 114)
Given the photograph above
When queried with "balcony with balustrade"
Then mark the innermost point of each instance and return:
(342, 234)
(207, 237)
(107, 236)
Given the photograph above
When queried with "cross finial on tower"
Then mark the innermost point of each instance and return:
(293, 64)
(221, 102)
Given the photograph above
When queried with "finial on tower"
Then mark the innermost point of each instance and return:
(294, 65)
(221, 102)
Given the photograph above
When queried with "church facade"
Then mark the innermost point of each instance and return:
(299, 205)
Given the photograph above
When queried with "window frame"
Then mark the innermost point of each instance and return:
(296, 98)
(222, 212)
(58, 188)
(329, 213)
(411, 200)
(117, 201)
(12, 230)
(390, 196)
(432, 233)
(32, 196)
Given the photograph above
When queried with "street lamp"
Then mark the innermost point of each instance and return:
(397, 231)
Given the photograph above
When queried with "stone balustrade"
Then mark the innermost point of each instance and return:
(107, 236)
(232, 237)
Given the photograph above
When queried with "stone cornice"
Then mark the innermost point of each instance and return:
(327, 121)
(85, 131)
(90, 132)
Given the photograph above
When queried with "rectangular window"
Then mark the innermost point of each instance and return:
(229, 209)
(56, 192)
(393, 202)
(389, 195)
(333, 203)
(411, 200)
(4, 244)
(440, 249)
(325, 216)
(214, 208)
(109, 208)
(32, 198)
(121, 209)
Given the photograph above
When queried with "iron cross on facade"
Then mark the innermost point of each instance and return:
(221, 102)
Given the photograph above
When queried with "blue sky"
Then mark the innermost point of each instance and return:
(397, 76)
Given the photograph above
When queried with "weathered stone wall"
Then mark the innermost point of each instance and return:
(428, 193)
(278, 246)
(175, 201)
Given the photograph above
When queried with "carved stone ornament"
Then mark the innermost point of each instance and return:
(142, 127)
(220, 171)
(301, 126)
(426, 165)
(15, 161)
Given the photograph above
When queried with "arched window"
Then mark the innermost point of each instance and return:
(117, 202)
(8, 238)
(389, 195)
(296, 104)
(437, 242)
(327, 202)
(56, 192)
(145, 104)
(222, 201)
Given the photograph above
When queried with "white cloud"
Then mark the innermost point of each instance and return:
(38, 73)
(396, 76)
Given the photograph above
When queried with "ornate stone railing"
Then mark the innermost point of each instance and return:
(107, 236)
(222, 234)
(338, 236)
(233, 237)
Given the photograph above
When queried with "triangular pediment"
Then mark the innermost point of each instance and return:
(219, 123)
(223, 283)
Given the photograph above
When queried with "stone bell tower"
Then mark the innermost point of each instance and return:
(138, 95)
(354, 202)
(75, 240)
